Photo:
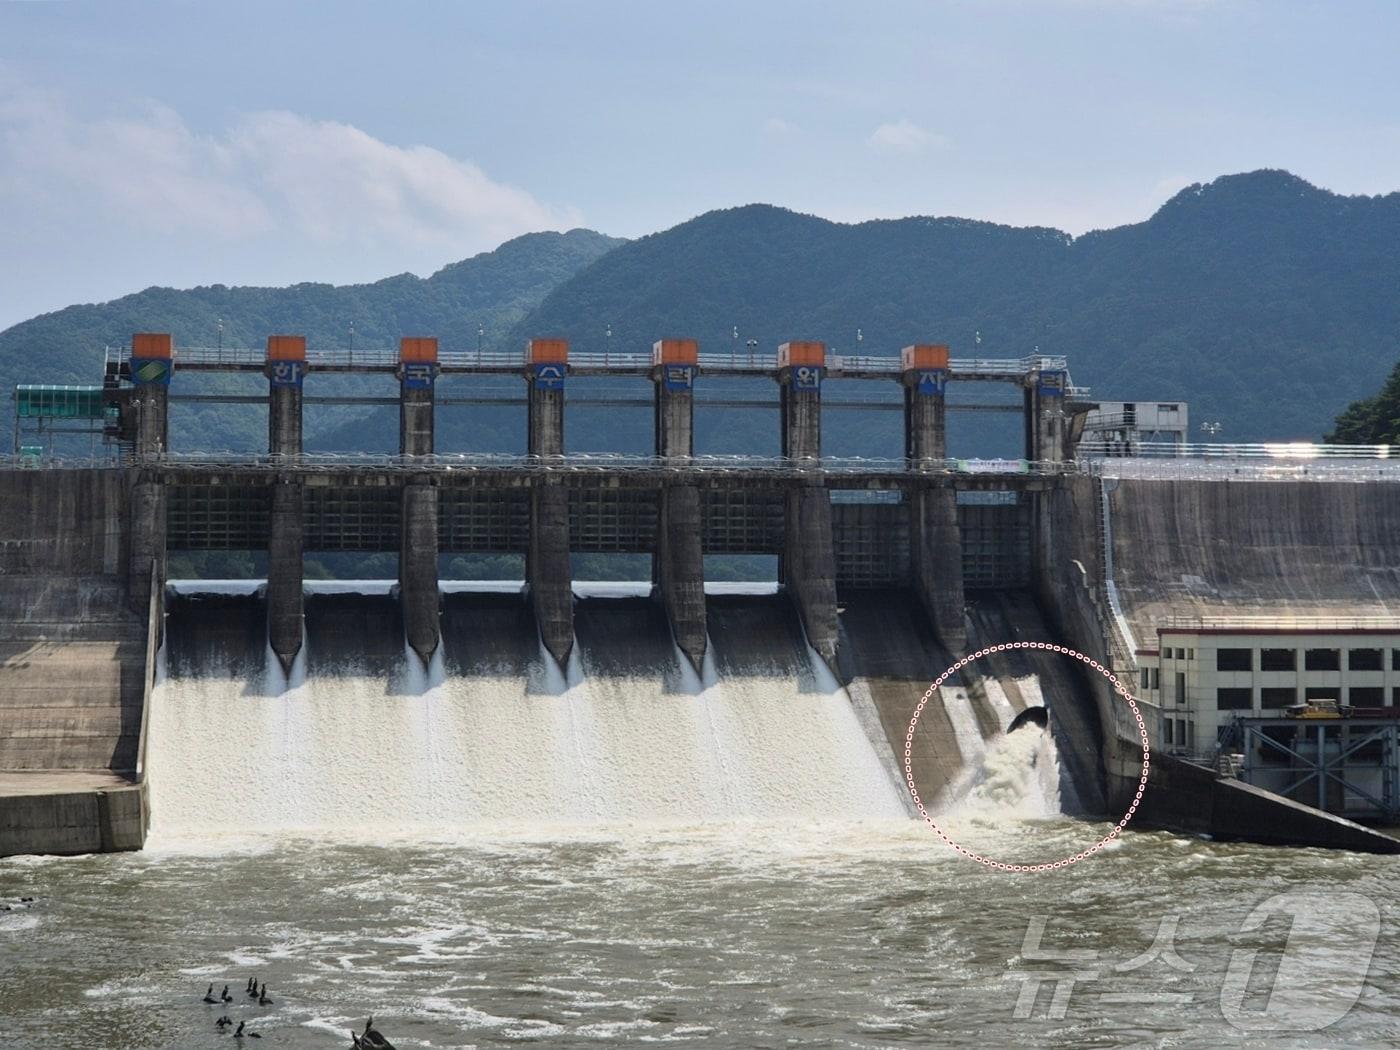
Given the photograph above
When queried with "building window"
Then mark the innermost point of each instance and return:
(1278, 659)
(1156, 678)
(1275, 697)
(1322, 660)
(1145, 686)
(1181, 654)
(1167, 729)
(1180, 688)
(1321, 692)
(1364, 660)
(1234, 659)
(1190, 654)
(1366, 696)
(1395, 659)
(1234, 699)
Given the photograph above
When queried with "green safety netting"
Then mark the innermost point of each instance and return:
(59, 402)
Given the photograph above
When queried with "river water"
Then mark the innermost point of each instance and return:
(726, 934)
(621, 854)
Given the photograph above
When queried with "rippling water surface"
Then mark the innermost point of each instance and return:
(720, 935)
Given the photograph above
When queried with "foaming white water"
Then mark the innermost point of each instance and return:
(426, 752)
(1019, 779)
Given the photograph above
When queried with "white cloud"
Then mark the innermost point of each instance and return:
(273, 173)
(778, 128)
(904, 136)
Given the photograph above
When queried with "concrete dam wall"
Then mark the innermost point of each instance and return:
(71, 649)
(1200, 548)
(628, 726)
(1209, 548)
(73, 662)
(889, 654)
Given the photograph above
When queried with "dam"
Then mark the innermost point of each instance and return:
(135, 705)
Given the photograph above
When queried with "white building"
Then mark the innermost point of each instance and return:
(1205, 674)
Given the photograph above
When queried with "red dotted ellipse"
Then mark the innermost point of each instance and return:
(990, 862)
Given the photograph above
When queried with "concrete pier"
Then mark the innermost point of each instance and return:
(285, 369)
(935, 547)
(284, 571)
(925, 380)
(800, 370)
(1046, 434)
(679, 567)
(417, 374)
(145, 574)
(674, 368)
(808, 565)
(152, 364)
(548, 574)
(418, 569)
(935, 540)
(418, 547)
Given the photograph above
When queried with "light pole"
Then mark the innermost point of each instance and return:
(753, 347)
(480, 335)
(608, 349)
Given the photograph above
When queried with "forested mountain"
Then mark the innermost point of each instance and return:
(1266, 302)
(493, 290)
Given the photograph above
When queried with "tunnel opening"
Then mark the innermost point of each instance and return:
(1031, 716)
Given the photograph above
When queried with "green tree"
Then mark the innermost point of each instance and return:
(1372, 420)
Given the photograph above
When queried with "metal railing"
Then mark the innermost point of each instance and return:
(1186, 469)
(571, 463)
(483, 359)
(1283, 624)
(1281, 451)
(52, 462)
(737, 361)
(380, 358)
(601, 463)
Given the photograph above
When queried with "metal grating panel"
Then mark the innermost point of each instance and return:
(492, 521)
(217, 517)
(612, 520)
(743, 521)
(871, 542)
(996, 544)
(352, 519)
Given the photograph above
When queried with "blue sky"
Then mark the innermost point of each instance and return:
(272, 142)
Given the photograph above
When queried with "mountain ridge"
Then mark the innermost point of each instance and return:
(1221, 297)
(1224, 296)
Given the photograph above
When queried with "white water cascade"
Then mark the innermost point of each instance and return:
(1017, 780)
(423, 751)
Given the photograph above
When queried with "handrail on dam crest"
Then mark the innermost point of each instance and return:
(623, 362)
